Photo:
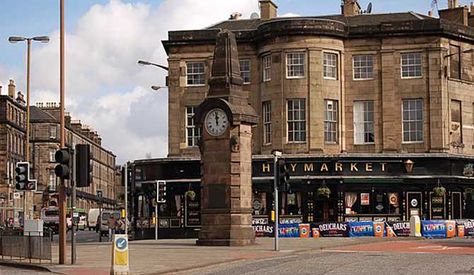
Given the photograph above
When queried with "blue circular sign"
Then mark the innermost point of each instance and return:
(121, 243)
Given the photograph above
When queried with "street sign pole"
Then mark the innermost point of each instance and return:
(73, 207)
(276, 154)
(99, 197)
(156, 212)
(126, 198)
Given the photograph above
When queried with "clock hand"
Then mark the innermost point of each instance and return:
(217, 118)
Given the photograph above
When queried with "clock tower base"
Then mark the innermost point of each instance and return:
(226, 213)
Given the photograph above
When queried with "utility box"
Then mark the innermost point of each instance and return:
(33, 228)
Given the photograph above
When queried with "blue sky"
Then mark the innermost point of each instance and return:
(37, 17)
(104, 86)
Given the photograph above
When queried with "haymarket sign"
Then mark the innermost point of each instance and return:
(328, 168)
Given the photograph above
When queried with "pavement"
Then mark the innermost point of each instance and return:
(169, 256)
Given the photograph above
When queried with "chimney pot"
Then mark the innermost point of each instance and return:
(235, 16)
(11, 88)
(268, 9)
(350, 8)
(453, 4)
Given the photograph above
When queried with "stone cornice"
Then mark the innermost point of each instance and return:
(325, 27)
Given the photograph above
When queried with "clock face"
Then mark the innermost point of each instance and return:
(216, 122)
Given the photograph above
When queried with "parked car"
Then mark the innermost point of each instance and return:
(81, 225)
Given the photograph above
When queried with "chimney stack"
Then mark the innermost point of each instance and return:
(235, 16)
(452, 4)
(268, 9)
(20, 98)
(455, 14)
(350, 8)
(11, 89)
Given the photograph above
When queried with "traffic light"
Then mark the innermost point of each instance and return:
(63, 168)
(83, 165)
(283, 176)
(22, 175)
(161, 194)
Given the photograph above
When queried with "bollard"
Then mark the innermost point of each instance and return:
(120, 258)
(415, 226)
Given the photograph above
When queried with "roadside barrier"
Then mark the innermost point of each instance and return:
(392, 229)
(18, 246)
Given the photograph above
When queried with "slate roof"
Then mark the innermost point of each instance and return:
(38, 115)
(351, 21)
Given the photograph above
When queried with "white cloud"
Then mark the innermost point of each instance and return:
(105, 88)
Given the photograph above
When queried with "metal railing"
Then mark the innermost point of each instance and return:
(17, 246)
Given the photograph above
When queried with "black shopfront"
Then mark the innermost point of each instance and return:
(323, 189)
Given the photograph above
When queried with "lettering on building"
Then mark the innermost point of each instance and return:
(324, 168)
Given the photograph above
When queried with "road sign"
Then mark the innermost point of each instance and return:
(16, 195)
(99, 194)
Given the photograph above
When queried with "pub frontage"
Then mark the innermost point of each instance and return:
(342, 188)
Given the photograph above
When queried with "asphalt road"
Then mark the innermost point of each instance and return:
(6, 270)
(427, 258)
(85, 236)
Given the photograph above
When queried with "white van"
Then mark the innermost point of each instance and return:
(50, 217)
(104, 220)
(92, 218)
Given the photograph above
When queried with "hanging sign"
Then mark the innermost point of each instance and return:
(364, 199)
(192, 211)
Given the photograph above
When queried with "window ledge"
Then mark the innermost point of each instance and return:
(364, 144)
(412, 142)
(412, 77)
(195, 85)
(295, 77)
(362, 79)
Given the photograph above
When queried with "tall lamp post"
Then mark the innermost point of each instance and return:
(155, 88)
(15, 39)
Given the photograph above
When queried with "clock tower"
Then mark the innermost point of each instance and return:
(226, 119)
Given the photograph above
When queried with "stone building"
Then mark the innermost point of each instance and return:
(378, 108)
(45, 140)
(12, 150)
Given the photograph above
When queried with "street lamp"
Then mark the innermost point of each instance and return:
(156, 88)
(147, 63)
(15, 39)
